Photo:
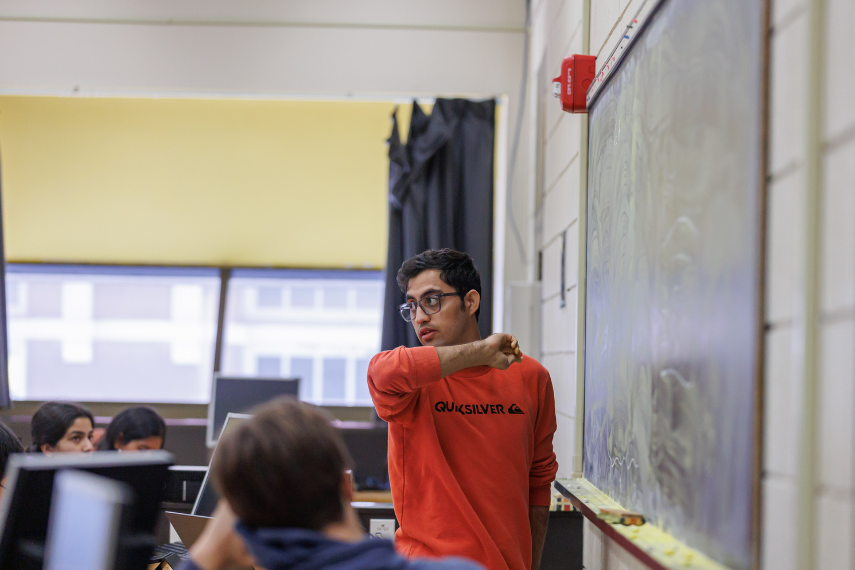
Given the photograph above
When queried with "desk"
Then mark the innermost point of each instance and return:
(372, 496)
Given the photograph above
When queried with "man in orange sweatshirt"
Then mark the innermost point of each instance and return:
(470, 425)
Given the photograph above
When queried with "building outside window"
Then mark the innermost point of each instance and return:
(135, 334)
(320, 326)
(111, 334)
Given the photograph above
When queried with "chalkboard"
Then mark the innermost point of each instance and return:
(672, 315)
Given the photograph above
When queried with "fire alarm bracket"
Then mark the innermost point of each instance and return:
(571, 87)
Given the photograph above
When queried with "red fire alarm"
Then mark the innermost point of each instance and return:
(577, 73)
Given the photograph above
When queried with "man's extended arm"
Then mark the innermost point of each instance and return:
(499, 351)
(538, 518)
(395, 376)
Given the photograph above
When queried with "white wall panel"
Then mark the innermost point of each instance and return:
(840, 46)
(559, 326)
(563, 446)
(58, 57)
(779, 524)
(834, 532)
(784, 199)
(604, 17)
(782, 402)
(437, 13)
(562, 370)
(571, 264)
(787, 97)
(838, 230)
(836, 404)
(566, 36)
(562, 147)
(551, 281)
(561, 204)
(785, 10)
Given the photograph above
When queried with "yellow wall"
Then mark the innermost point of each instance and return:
(195, 181)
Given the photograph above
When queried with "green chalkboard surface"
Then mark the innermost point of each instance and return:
(672, 317)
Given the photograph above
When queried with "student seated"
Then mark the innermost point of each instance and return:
(286, 500)
(62, 426)
(9, 444)
(134, 429)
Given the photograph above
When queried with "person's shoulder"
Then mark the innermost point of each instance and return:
(447, 563)
(530, 366)
(392, 355)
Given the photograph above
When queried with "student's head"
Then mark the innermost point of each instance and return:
(135, 429)
(9, 444)
(284, 468)
(453, 318)
(62, 426)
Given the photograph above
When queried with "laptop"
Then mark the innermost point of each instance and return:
(189, 527)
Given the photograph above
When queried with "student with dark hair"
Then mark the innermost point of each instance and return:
(134, 429)
(286, 500)
(62, 426)
(9, 444)
(470, 424)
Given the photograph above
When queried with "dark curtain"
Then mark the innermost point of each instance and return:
(440, 195)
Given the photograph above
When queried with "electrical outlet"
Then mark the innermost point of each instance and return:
(382, 528)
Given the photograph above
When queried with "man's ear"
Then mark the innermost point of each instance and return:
(471, 302)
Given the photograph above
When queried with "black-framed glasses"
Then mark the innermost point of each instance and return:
(430, 304)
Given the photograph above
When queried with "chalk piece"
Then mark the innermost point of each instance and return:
(620, 516)
(669, 551)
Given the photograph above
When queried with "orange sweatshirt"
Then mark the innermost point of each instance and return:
(468, 454)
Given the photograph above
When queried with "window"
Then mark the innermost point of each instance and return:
(111, 333)
(323, 329)
(133, 334)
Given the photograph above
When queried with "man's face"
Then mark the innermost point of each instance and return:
(451, 324)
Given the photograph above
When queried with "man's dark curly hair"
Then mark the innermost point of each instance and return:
(455, 268)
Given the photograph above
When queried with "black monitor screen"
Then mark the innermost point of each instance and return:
(240, 395)
(30, 487)
(368, 444)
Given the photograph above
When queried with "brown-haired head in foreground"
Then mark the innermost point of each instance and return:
(283, 468)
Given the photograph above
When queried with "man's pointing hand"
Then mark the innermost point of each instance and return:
(502, 350)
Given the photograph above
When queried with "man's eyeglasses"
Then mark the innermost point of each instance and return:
(430, 305)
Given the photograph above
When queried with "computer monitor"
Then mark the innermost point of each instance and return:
(24, 512)
(208, 497)
(368, 444)
(240, 395)
(86, 515)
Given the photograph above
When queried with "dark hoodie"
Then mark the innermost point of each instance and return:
(300, 549)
